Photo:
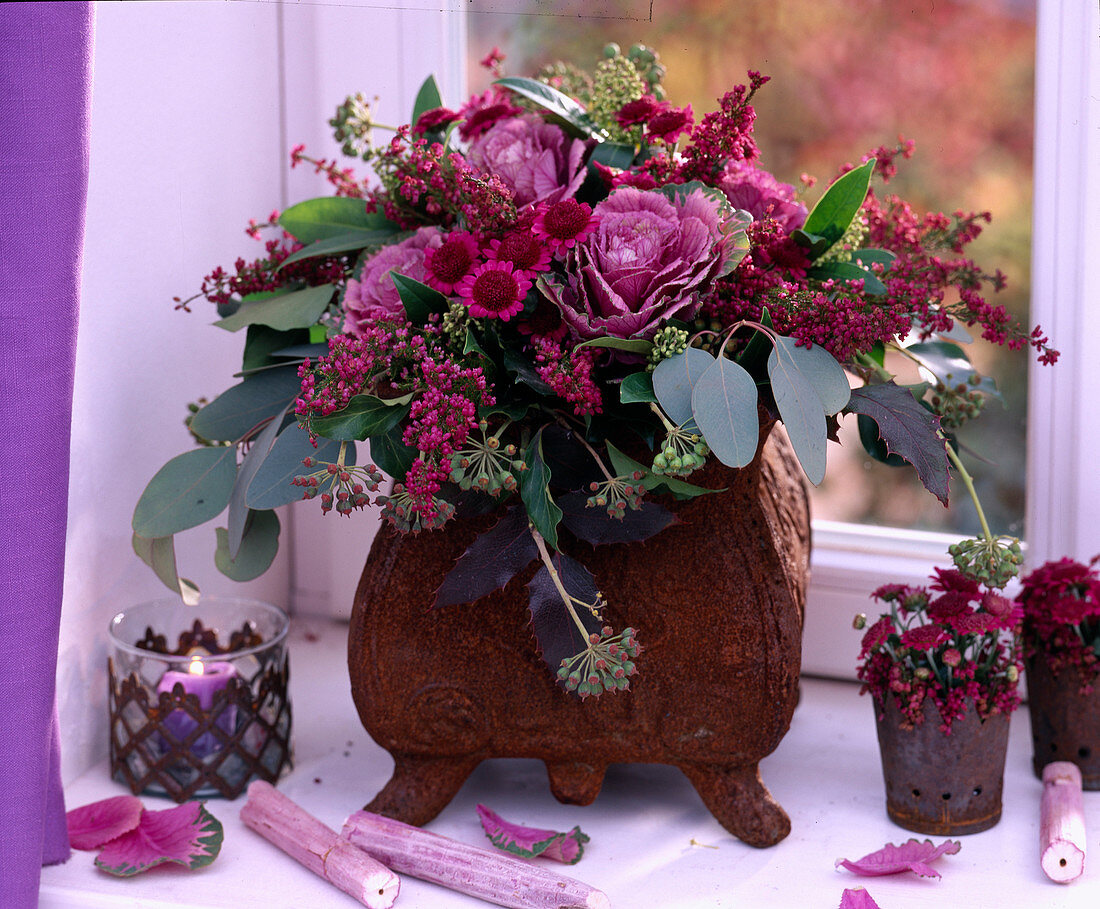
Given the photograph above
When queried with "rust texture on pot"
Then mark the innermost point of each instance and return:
(941, 784)
(717, 599)
(1065, 724)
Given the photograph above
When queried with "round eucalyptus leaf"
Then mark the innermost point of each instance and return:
(189, 490)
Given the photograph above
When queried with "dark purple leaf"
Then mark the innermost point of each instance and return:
(908, 430)
(531, 841)
(555, 631)
(913, 855)
(91, 826)
(857, 898)
(492, 560)
(188, 835)
(596, 526)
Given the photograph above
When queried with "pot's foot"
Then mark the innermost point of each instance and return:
(575, 782)
(421, 787)
(740, 802)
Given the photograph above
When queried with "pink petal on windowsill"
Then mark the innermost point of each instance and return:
(188, 835)
(94, 825)
(857, 898)
(913, 855)
(531, 841)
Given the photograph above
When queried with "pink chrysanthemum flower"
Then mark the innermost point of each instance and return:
(924, 637)
(494, 290)
(668, 123)
(523, 249)
(564, 224)
(446, 265)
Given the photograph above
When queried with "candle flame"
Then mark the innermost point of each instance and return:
(196, 667)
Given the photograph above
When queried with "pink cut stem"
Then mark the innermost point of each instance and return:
(488, 875)
(309, 842)
(1062, 823)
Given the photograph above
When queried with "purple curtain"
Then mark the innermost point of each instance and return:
(45, 92)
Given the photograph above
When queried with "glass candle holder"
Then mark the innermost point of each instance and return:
(198, 697)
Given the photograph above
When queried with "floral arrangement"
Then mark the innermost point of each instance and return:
(952, 642)
(556, 301)
(1061, 607)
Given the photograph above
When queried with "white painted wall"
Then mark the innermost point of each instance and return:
(195, 107)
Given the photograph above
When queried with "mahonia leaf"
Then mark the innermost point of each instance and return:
(95, 825)
(857, 898)
(913, 855)
(556, 633)
(492, 560)
(596, 526)
(908, 429)
(528, 842)
(188, 835)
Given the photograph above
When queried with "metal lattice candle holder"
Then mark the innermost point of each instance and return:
(207, 717)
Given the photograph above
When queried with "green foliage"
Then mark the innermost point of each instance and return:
(365, 415)
(332, 216)
(427, 98)
(637, 388)
(256, 549)
(674, 380)
(295, 309)
(723, 404)
(419, 300)
(189, 490)
(560, 107)
(834, 211)
(534, 489)
(237, 411)
(631, 345)
(848, 271)
(271, 486)
(159, 554)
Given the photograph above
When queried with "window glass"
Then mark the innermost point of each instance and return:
(847, 76)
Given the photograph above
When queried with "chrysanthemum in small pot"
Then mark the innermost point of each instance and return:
(942, 665)
(1061, 637)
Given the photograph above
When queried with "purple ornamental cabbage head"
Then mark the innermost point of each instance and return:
(762, 195)
(536, 160)
(373, 295)
(651, 258)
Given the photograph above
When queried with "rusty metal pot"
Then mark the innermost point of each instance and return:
(1065, 724)
(718, 601)
(945, 785)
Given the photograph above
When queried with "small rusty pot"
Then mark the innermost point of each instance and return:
(945, 785)
(1065, 724)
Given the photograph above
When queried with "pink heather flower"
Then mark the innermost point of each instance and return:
(924, 637)
(650, 258)
(494, 290)
(535, 159)
(523, 249)
(373, 295)
(447, 263)
(564, 224)
(761, 195)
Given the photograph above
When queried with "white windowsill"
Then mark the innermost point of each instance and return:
(653, 843)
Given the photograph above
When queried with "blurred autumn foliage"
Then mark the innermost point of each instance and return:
(956, 76)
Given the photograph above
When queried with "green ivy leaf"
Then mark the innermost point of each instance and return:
(612, 154)
(631, 345)
(365, 415)
(427, 98)
(637, 388)
(848, 271)
(821, 370)
(159, 554)
(723, 403)
(331, 216)
(626, 466)
(559, 105)
(272, 485)
(239, 409)
(870, 257)
(801, 410)
(674, 381)
(390, 454)
(834, 211)
(534, 489)
(419, 300)
(189, 490)
(256, 551)
(296, 309)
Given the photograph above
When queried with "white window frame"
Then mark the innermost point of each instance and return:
(1063, 488)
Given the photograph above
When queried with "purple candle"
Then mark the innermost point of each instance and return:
(203, 680)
